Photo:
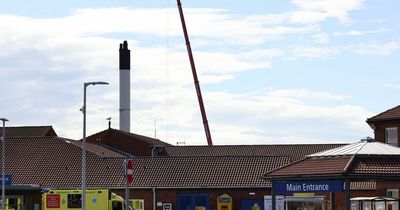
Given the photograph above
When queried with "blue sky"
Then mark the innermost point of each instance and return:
(271, 72)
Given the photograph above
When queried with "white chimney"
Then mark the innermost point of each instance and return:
(124, 87)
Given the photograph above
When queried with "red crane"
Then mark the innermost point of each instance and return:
(196, 81)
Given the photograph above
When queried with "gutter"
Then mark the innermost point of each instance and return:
(154, 199)
(305, 177)
(196, 187)
(350, 162)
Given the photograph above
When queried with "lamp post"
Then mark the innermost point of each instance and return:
(85, 85)
(3, 162)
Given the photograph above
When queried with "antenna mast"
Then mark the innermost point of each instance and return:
(196, 81)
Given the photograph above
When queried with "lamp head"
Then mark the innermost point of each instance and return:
(95, 83)
(3, 119)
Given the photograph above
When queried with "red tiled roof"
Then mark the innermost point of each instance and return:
(313, 166)
(29, 131)
(390, 114)
(361, 168)
(297, 151)
(123, 141)
(134, 137)
(54, 163)
(198, 172)
(363, 160)
(378, 165)
(98, 149)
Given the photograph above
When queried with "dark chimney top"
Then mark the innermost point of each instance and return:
(124, 56)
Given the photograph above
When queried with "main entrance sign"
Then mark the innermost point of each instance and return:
(308, 186)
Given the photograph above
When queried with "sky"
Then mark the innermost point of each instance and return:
(271, 72)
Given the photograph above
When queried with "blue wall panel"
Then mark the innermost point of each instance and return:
(248, 204)
(190, 201)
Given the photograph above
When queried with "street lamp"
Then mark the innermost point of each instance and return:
(85, 85)
(3, 163)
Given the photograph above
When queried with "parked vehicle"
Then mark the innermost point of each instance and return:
(72, 199)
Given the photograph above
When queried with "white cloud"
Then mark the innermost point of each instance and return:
(394, 86)
(379, 21)
(287, 116)
(329, 8)
(311, 12)
(264, 55)
(376, 48)
(269, 19)
(305, 94)
(360, 33)
(265, 116)
(65, 46)
(57, 55)
(210, 79)
(207, 23)
(306, 17)
(321, 38)
(312, 52)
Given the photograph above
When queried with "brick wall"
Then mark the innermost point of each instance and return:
(379, 132)
(171, 195)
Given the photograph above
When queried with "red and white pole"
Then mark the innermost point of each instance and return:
(129, 179)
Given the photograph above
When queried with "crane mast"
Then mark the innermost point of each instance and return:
(196, 81)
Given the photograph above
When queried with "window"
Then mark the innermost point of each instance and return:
(117, 205)
(391, 136)
(393, 193)
(13, 203)
(74, 200)
(137, 204)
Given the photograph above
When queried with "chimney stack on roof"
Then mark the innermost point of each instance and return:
(124, 87)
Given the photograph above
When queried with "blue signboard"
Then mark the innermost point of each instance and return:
(8, 179)
(308, 186)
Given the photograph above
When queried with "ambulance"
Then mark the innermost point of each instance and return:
(71, 200)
